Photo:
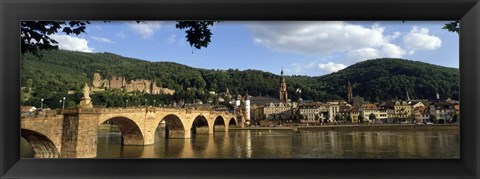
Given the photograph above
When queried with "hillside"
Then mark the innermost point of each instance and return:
(55, 72)
(383, 79)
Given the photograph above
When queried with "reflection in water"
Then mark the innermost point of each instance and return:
(26, 150)
(444, 143)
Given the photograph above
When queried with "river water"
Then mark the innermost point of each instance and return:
(425, 143)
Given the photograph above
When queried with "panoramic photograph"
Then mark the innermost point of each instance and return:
(240, 89)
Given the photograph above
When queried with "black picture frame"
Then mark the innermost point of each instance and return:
(13, 11)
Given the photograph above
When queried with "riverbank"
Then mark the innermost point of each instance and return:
(359, 127)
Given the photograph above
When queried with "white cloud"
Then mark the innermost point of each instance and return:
(145, 29)
(324, 38)
(102, 40)
(420, 39)
(71, 43)
(392, 50)
(386, 51)
(364, 54)
(331, 67)
(393, 36)
(316, 37)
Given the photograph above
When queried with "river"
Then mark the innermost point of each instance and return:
(425, 143)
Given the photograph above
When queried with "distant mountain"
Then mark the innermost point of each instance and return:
(56, 72)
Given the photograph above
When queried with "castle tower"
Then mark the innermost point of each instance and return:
(283, 88)
(350, 93)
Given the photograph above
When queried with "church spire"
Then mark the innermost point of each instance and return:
(283, 88)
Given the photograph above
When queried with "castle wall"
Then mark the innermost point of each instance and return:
(119, 82)
(116, 82)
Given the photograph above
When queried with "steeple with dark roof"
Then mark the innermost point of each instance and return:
(283, 88)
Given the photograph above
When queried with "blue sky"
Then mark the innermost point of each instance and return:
(301, 47)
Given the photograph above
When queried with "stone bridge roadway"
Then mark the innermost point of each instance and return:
(73, 133)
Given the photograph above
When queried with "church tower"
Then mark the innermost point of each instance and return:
(350, 93)
(283, 89)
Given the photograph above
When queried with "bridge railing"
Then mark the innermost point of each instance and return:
(137, 109)
(41, 114)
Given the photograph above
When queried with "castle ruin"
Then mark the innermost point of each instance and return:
(119, 82)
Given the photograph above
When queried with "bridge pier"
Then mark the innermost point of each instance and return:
(79, 138)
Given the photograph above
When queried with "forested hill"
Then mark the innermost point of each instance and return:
(56, 72)
(382, 79)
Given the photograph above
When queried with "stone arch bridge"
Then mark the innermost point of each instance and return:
(72, 133)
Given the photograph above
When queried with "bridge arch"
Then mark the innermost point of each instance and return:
(200, 125)
(131, 132)
(41, 144)
(174, 127)
(232, 122)
(219, 124)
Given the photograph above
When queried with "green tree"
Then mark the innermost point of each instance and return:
(198, 32)
(35, 35)
(372, 117)
(361, 118)
(29, 85)
(433, 119)
(453, 26)
(349, 118)
(337, 117)
(455, 118)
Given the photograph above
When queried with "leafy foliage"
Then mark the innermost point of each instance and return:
(35, 35)
(453, 26)
(52, 74)
(198, 32)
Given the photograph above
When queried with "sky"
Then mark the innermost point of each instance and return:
(310, 48)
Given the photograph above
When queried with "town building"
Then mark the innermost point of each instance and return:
(278, 111)
(442, 112)
(355, 113)
(312, 112)
(344, 111)
(403, 110)
(367, 109)
(421, 114)
(334, 108)
(417, 104)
